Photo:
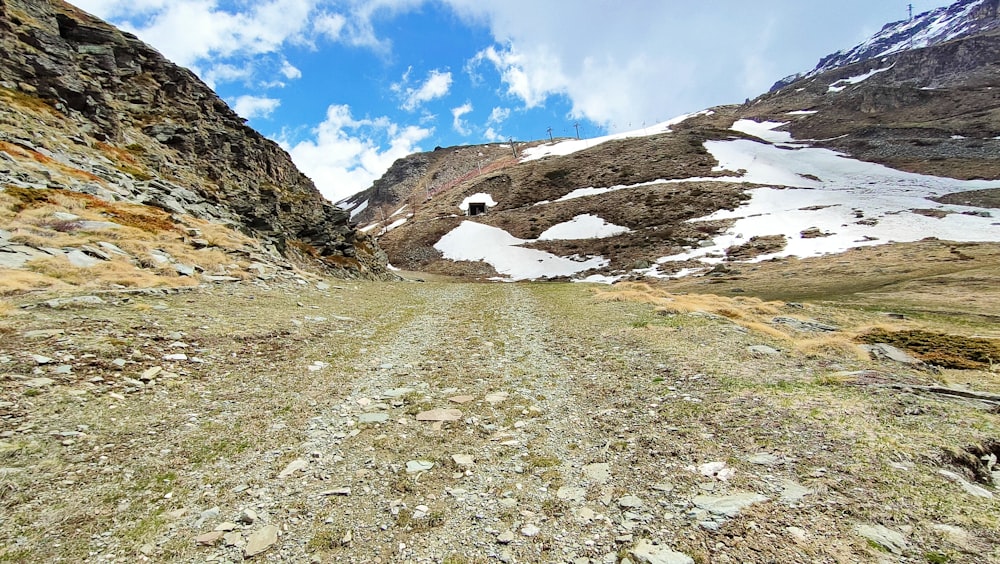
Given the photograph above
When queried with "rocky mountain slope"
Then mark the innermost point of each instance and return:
(102, 140)
(654, 201)
(961, 19)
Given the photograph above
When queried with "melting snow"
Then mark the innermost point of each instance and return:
(763, 129)
(845, 82)
(474, 241)
(480, 198)
(563, 148)
(361, 207)
(584, 226)
(853, 203)
(802, 113)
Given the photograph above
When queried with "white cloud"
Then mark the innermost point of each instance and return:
(498, 115)
(347, 155)
(493, 135)
(251, 107)
(457, 123)
(330, 25)
(437, 85)
(289, 71)
(648, 61)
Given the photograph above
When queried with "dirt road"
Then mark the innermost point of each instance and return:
(456, 423)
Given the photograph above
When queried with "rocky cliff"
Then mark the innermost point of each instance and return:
(92, 110)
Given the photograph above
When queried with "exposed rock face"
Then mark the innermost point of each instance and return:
(187, 152)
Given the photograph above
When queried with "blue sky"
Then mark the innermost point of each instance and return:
(349, 86)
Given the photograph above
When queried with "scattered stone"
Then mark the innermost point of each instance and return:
(293, 467)
(39, 382)
(40, 359)
(62, 369)
(462, 399)
(234, 538)
(260, 541)
(506, 537)
(648, 553)
(42, 333)
(797, 533)
(175, 356)
(530, 530)
(884, 351)
(792, 491)
(765, 459)
(415, 466)
(439, 415)
(804, 325)
(496, 397)
(150, 373)
(337, 491)
(630, 502)
(729, 505)
(225, 527)
(571, 493)
(463, 459)
(763, 350)
(184, 269)
(598, 472)
(81, 259)
(247, 517)
(209, 539)
(373, 417)
(717, 470)
(970, 488)
(396, 392)
(891, 540)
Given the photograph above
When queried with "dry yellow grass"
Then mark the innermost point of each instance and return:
(5, 308)
(19, 281)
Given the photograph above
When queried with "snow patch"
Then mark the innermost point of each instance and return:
(474, 241)
(763, 130)
(568, 147)
(361, 207)
(843, 83)
(802, 112)
(584, 226)
(480, 198)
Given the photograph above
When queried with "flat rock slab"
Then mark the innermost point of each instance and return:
(293, 467)
(43, 333)
(260, 541)
(792, 491)
(884, 351)
(39, 382)
(891, 540)
(598, 472)
(649, 553)
(727, 505)
(397, 392)
(373, 418)
(75, 301)
(439, 415)
(805, 325)
(414, 466)
(571, 493)
(763, 350)
(496, 397)
(462, 399)
(463, 459)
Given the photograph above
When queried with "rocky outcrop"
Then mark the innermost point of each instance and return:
(162, 137)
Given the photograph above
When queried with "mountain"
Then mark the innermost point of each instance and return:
(961, 19)
(104, 144)
(881, 144)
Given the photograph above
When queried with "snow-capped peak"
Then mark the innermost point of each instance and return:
(963, 18)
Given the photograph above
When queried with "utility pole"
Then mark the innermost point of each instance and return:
(910, 6)
(513, 149)
(577, 126)
(550, 135)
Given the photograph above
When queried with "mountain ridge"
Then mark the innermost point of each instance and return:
(128, 126)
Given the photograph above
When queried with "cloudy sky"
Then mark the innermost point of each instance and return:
(349, 86)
